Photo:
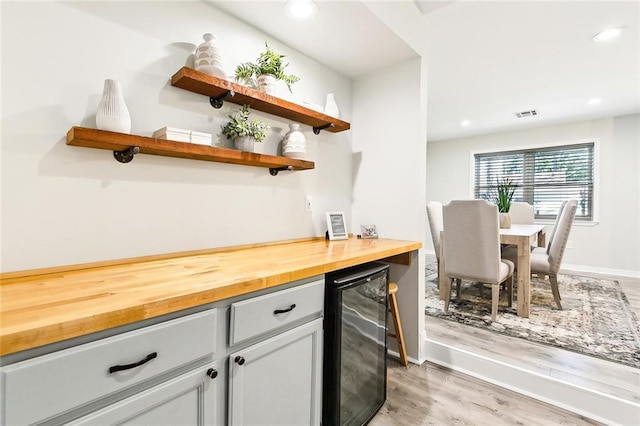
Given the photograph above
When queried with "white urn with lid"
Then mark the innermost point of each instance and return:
(294, 144)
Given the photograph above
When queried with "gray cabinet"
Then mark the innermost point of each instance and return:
(188, 399)
(278, 381)
(277, 378)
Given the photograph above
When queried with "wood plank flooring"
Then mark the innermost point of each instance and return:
(432, 395)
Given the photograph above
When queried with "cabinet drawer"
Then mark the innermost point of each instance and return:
(261, 314)
(42, 387)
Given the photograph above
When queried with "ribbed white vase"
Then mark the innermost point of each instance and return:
(112, 113)
(294, 144)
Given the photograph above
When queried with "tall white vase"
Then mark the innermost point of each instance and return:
(331, 107)
(112, 113)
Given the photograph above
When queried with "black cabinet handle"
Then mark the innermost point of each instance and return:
(148, 358)
(212, 373)
(282, 311)
(239, 360)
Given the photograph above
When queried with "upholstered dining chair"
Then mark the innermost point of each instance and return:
(471, 249)
(547, 261)
(521, 213)
(434, 215)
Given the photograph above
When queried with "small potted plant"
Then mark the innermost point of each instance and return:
(267, 69)
(505, 189)
(243, 132)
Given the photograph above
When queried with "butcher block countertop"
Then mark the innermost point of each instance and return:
(49, 305)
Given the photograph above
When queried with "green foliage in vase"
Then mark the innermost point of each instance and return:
(239, 125)
(505, 189)
(269, 62)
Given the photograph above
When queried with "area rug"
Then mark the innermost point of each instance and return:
(596, 319)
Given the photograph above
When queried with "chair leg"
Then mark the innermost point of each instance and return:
(510, 291)
(495, 295)
(447, 293)
(458, 286)
(554, 289)
(395, 314)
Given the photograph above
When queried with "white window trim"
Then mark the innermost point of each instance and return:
(596, 171)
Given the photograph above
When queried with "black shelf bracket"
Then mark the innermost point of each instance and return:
(217, 102)
(126, 155)
(274, 171)
(316, 130)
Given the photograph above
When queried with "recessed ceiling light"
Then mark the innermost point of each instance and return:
(465, 123)
(302, 9)
(609, 34)
(594, 101)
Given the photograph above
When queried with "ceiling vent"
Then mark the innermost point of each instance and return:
(530, 113)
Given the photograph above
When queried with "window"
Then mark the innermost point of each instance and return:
(545, 177)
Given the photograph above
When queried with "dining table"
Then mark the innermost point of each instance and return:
(523, 237)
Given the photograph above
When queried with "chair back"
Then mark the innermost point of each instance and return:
(472, 240)
(521, 213)
(555, 225)
(434, 214)
(561, 235)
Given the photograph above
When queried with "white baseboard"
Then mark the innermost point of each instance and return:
(582, 268)
(596, 270)
(592, 404)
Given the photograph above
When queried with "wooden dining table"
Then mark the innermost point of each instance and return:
(523, 236)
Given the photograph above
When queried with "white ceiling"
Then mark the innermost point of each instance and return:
(487, 60)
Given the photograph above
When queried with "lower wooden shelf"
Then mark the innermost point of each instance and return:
(119, 142)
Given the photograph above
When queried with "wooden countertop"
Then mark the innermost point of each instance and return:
(44, 306)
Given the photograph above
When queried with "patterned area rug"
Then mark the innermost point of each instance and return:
(596, 319)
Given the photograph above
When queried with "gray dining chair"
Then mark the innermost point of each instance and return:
(521, 213)
(471, 249)
(547, 261)
(434, 215)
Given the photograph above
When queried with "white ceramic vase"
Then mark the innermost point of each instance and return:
(267, 83)
(112, 113)
(505, 221)
(331, 107)
(244, 143)
(208, 57)
(294, 144)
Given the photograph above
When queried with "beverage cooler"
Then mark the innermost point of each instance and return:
(355, 344)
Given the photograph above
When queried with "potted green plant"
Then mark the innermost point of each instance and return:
(243, 132)
(267, 69)
(505, 188)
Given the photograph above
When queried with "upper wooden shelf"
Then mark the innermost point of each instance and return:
(119, 142)
(217, 88)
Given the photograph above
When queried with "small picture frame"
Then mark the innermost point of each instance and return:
(337, 226)
(368, 231)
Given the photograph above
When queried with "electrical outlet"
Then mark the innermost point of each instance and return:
(569, 244)
(308, 203)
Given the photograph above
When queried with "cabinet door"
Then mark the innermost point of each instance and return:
(278, 381)
(188, 399)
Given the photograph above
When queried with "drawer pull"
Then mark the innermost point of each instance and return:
(212, 373)
(282, 311)
(239, 360)
(148, 358)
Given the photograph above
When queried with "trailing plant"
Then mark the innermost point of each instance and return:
(239, 125)
(505, 189)
(269, 62)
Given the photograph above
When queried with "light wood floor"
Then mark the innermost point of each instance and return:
(431, 395)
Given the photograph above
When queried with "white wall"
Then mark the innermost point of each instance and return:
(389, 148)
(66, 205)
(613, 244)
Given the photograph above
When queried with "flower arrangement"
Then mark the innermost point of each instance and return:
(268, 63)
(239, 125)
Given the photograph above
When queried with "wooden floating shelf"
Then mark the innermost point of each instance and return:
(113, 141)
(217, 88)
